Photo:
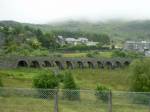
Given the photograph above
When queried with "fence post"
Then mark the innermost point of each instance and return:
(56, 101)
(149, 105)
(110, 101)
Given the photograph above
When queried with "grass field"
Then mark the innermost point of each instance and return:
(84, 54)
(87, 103)
(117, 79)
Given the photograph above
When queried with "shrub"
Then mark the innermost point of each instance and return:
(71, 91)
(117, 53)
(102, 93)
(93, 54)
(45, 80)
(90, 55)
(128, 54)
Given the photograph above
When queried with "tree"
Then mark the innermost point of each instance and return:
(140, 79)
(34, 43)
(71, 91)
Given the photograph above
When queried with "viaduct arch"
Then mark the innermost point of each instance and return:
(66, 63)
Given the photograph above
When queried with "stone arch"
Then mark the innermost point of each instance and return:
(22, 63)
(69, 65)
(35, 64)
(100, 64)
(90, 64)
(80, 64)
(118, 64)
(126, 63)
(59, 64)
(108, 65)
(47, 64)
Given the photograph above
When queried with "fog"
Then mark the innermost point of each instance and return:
(45, 11)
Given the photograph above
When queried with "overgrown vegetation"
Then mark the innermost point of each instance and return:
(102, 93)
(126, 54)
(69, 84)
(140, 80)
(46, 80)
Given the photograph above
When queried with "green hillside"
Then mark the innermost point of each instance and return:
(120, 30)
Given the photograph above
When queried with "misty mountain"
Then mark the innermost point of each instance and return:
(120, 30)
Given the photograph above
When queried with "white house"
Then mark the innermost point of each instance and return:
(71, 41)
(90, 43)
(61, 40)
(74, 41)
(82, 40)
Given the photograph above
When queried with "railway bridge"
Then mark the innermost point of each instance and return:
(64, 63)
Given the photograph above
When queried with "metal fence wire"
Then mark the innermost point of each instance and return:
(48, 100)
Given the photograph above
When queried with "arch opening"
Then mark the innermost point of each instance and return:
(108, 65)
(90, 64)
(22, 63)
(80, 64)
(59, 64)
(69, 65)
(47, 64)
(118, 64)
(126, 63)
(100, 65)
(35, 64)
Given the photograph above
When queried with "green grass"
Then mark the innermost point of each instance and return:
(117, 79)
(83, 54)
(87, 103)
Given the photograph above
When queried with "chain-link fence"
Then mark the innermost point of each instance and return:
(47, 100)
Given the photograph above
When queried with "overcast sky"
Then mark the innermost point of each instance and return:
(43, 11)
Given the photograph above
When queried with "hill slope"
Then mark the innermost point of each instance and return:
(121, 30)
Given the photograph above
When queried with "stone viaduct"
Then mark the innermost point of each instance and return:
(64, 63)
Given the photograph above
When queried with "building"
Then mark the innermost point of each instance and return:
(140, 46)
(73, 41)
(60, 40)
(90, 43)
(82, 40)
